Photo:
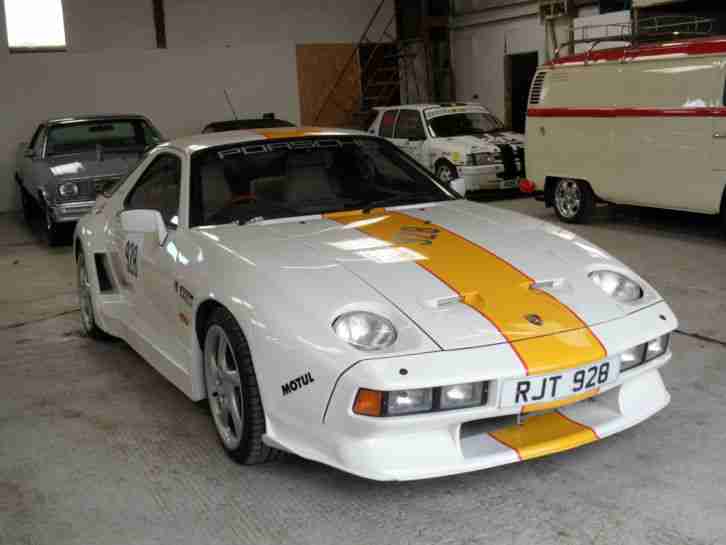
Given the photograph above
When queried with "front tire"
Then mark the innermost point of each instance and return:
(446, 172)
(232, 391)
(574, 201)
(28, 206)
(53, 231)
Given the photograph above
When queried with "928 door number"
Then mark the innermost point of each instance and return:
(131, 252)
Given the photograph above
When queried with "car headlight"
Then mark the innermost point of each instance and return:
(644, 353)
(68, 189)
(420, 400)
(365, 330)
(616, 285)
(657, 347)
(483, 158)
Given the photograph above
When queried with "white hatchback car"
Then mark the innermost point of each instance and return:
(456, 141)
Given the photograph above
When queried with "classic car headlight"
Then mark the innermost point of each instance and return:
(420, 400)
(616, 285)
(68, 189)
(484, 158)
(365, 330)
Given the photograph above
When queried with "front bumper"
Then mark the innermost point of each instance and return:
(486, 177)
(449, 442)
(72, 211)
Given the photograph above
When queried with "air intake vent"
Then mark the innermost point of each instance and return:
(104, 280)
(536, 92)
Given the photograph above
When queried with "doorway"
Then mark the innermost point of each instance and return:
(520, 70)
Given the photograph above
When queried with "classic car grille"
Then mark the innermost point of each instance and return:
(89, 188)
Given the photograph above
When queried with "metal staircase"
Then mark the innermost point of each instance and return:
(386, 64)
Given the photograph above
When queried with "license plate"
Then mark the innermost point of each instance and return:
(555, 386)
(508, 184)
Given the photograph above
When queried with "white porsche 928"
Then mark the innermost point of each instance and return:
(330, 298)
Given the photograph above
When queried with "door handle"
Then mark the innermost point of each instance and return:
(719, 135)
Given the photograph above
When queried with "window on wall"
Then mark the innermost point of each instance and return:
(35, 25)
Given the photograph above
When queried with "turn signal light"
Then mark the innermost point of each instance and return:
(368, 402)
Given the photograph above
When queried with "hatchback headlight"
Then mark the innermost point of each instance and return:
(68, 189)
(617, 286)
(481, 159)
(365, 330)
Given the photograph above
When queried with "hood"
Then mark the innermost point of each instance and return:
(91, 165)
(485, 142)
(466, 274)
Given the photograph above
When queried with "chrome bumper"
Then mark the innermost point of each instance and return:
(72, 211)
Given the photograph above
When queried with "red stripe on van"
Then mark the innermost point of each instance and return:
(702, 46)
(626, 112)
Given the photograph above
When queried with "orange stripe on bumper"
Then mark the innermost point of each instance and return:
(491, 286)
(543, 435)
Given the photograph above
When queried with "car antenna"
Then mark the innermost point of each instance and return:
(229, 102)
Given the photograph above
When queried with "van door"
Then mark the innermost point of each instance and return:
(663, 133)
(410, 134)
(718, 153)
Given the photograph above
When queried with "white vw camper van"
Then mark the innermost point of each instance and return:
(640, 125)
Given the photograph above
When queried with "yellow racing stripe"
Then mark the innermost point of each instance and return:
(491, 286)
(544, 434)
(537, 407)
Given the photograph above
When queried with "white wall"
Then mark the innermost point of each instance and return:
(485, 31)
(112, 65)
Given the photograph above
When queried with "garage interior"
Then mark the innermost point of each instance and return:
(98, 448)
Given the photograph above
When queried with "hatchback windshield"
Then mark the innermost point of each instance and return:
(111, 135)
(285, 178)
(460, 124)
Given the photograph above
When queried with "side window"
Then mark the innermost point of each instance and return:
(159, 188)
(387, 123)
(409, 126)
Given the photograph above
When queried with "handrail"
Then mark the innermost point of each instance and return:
(341, 74)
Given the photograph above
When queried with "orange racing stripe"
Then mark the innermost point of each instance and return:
(491, 286)
(291, 132)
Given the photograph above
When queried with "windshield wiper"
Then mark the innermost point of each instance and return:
(396, 199)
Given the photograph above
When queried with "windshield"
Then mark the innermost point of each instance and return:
(296, 177)
(464, 123)
(111, 135)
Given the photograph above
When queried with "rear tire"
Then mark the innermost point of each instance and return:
(574, 201)
(85, 299)
(232, 391)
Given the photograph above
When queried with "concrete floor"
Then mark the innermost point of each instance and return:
(96, 448)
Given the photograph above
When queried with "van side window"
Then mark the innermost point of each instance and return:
(387, 123)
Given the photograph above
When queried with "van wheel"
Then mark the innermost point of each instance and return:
(574, 201)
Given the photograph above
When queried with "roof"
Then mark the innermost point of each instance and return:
(683, 48)
(425, 106)
(242, 124)
(92, 117)
(199, 142)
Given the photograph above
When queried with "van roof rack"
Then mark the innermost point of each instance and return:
(646, 30)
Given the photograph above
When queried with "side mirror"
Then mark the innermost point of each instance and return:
(144, 221)
(459, 185)
(29, 153)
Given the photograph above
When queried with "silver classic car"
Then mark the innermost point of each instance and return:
(70, 160)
